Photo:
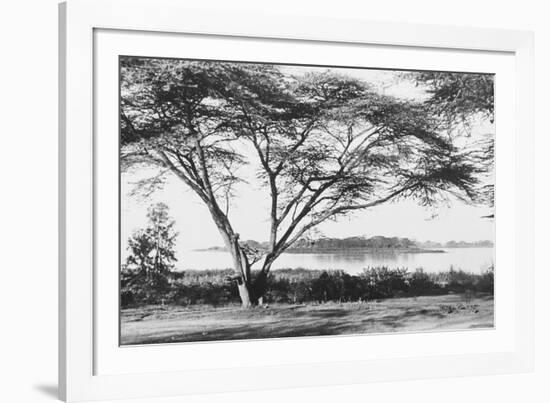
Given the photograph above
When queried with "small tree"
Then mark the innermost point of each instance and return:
(151, 256)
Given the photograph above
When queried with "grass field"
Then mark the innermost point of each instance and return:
(168, 324)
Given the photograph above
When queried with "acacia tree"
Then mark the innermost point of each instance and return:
(326, 146)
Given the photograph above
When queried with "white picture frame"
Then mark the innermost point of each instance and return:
(80, 375)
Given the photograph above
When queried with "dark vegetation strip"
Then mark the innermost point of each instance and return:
(217, 287)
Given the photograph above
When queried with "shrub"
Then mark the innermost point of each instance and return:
(486, 282)
(383, 282)
(421, 283)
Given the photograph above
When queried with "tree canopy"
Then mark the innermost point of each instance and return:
(460, 95)
(464, 99)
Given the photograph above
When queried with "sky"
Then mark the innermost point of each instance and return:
(249, 213)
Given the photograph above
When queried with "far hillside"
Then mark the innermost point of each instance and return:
(376, 242)
(456, 244)
(364, 243)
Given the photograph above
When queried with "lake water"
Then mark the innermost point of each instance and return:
(473, 260)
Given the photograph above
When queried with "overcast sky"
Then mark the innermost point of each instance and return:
(249, 212)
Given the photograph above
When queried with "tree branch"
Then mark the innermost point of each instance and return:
(338, 210)
(192, 184)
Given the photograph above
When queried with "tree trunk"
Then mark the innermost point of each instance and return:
(260, 286)
(244, 293)
(251, 291)
(242, 269)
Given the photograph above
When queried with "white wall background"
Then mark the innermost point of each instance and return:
(28, 201)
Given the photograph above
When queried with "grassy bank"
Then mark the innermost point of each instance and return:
(172, 323)
(295, 286)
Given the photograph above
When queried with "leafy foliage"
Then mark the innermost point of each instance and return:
(146, 270)
(460, 95)
(462, 99)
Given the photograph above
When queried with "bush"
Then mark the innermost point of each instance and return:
(421, 283)
(383, 282)
(486, 282)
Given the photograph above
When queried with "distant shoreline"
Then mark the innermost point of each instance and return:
(373, 245)
(363, 250)
(336, 250)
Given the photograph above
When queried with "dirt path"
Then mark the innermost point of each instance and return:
(155, 324)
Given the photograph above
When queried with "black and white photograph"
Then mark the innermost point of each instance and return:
(264, 200)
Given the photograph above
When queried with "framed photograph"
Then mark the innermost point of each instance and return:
(246, 206)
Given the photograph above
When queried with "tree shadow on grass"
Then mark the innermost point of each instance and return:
(319, 322)
(322, 313)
